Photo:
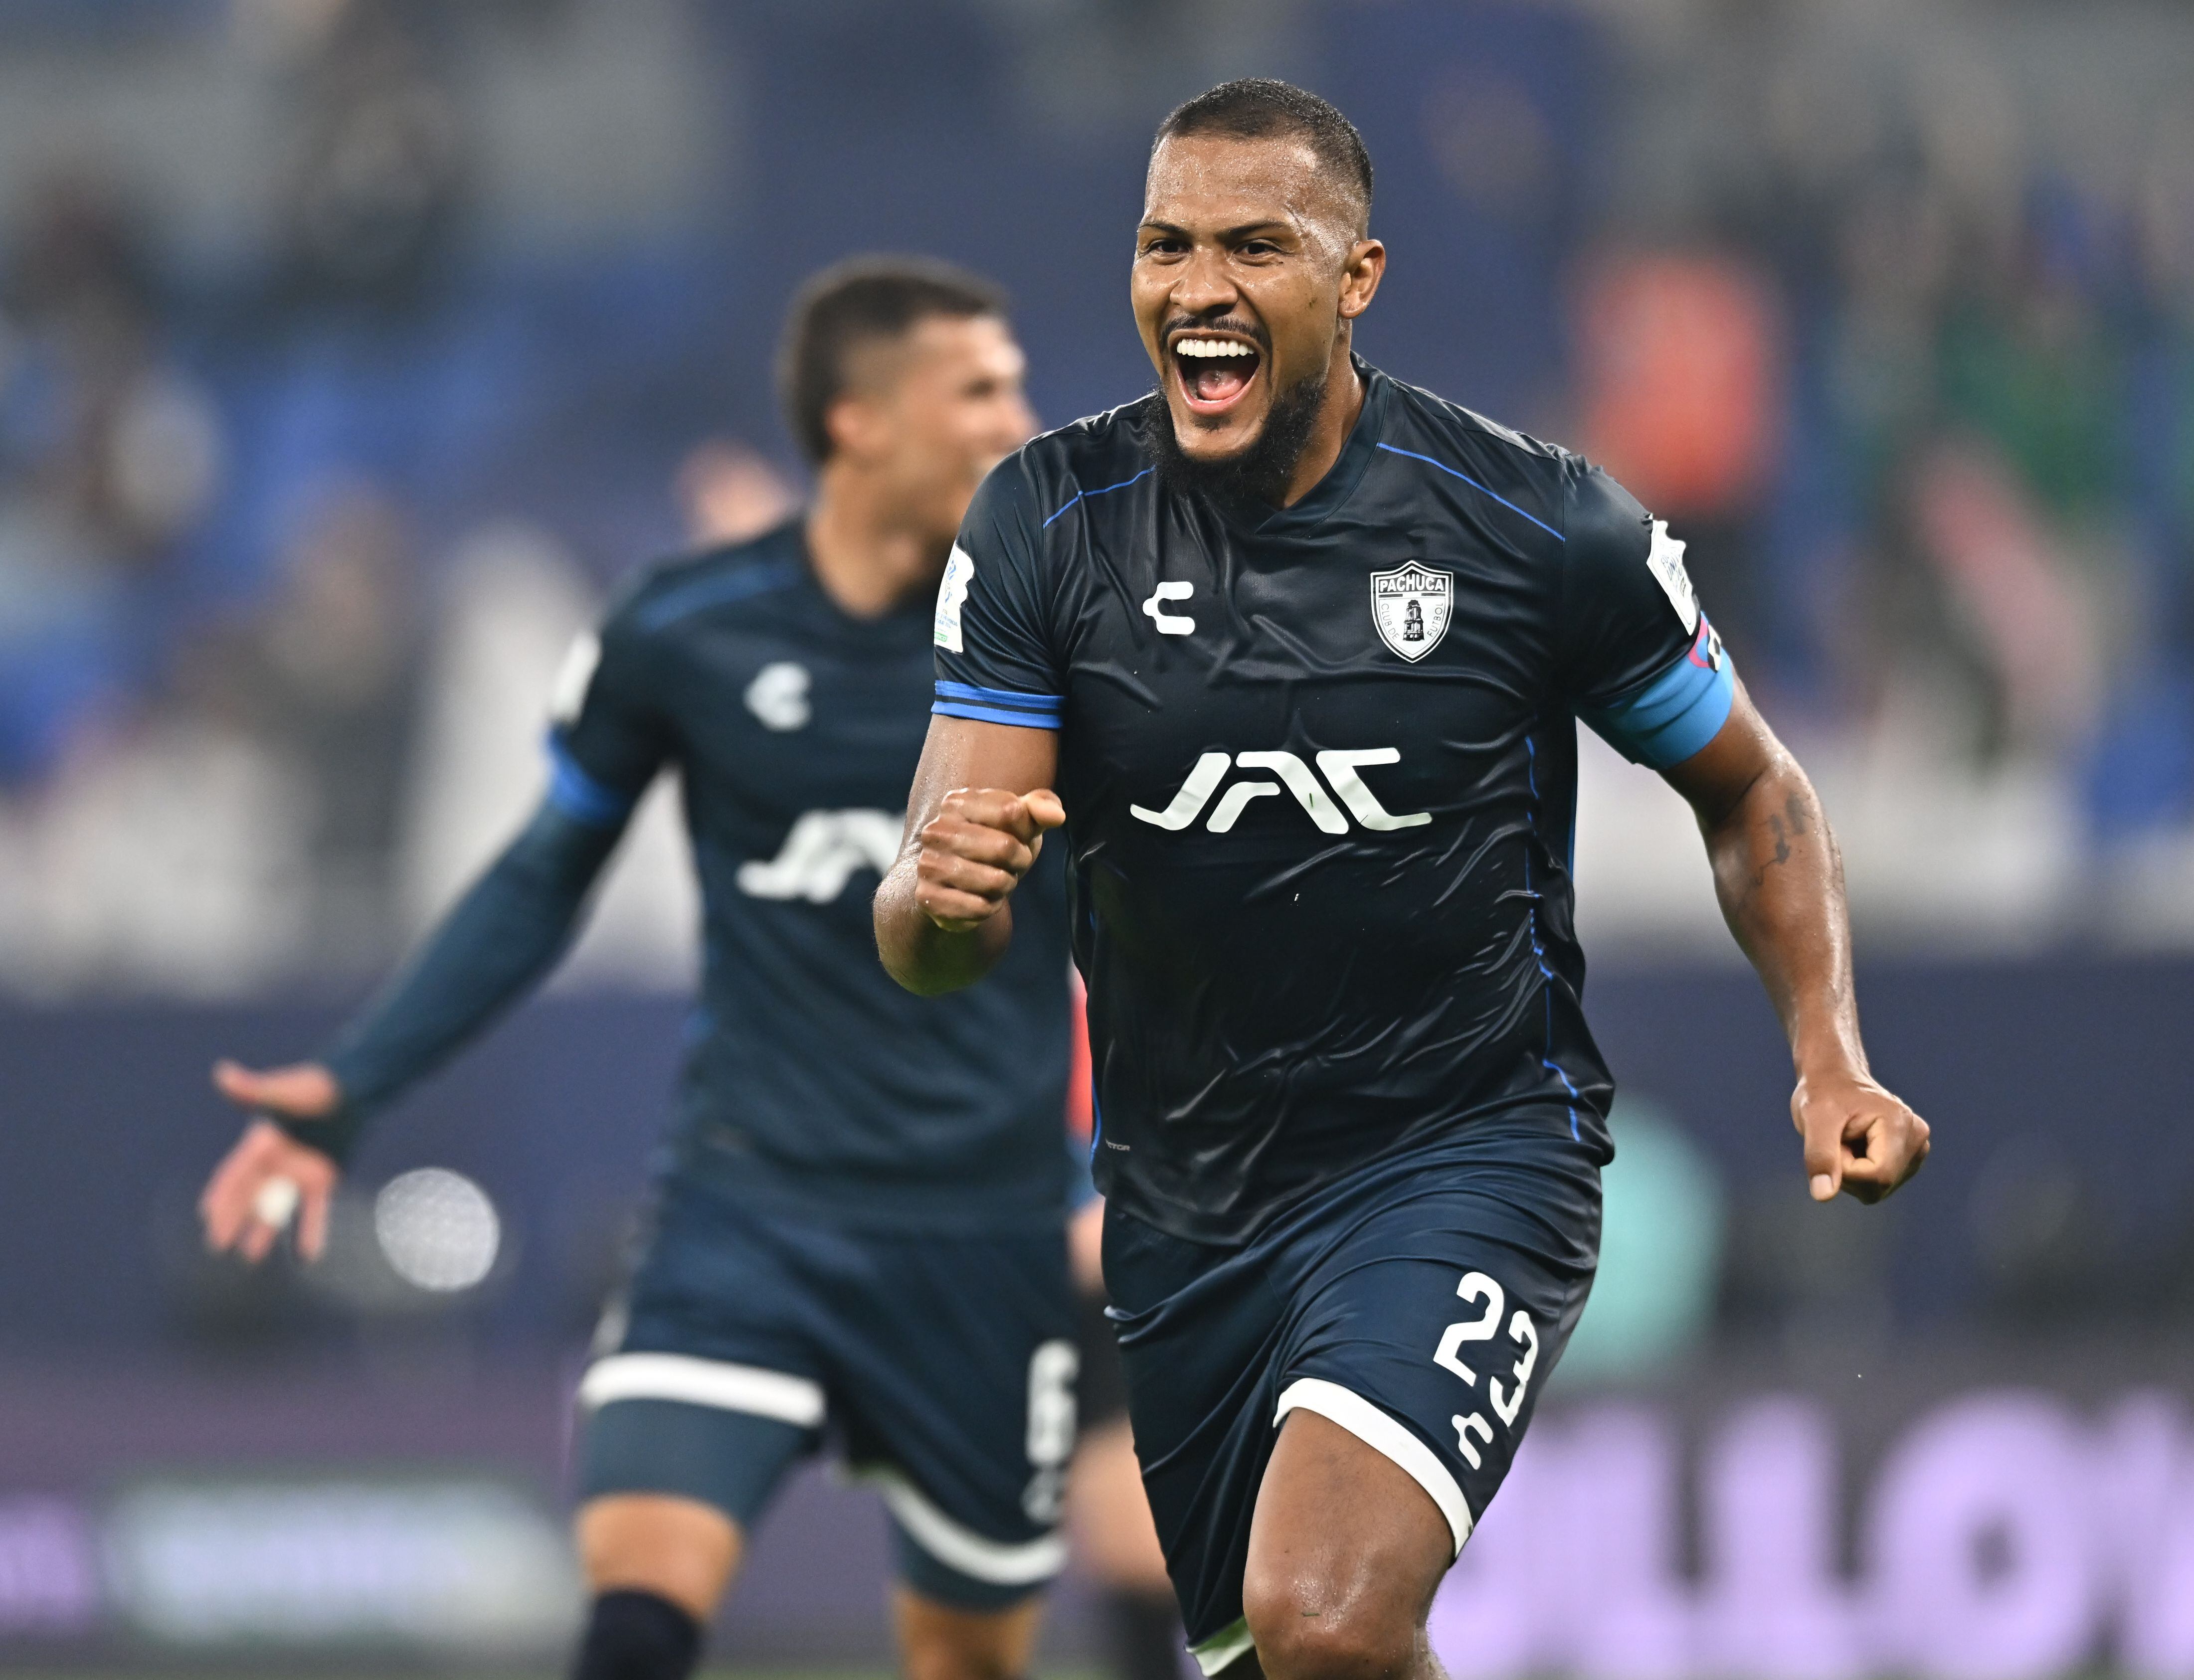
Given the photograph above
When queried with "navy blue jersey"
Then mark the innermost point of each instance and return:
(814, 1081)
(1319, 767)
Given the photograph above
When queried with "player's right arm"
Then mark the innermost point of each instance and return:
(497, 941)
(975, 821)
(981, 801)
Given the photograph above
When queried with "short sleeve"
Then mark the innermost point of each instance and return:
(994, 657)
(607, 738)
(1640, 662)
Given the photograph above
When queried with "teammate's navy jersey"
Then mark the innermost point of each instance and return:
(814, 1082)
(1319, 767)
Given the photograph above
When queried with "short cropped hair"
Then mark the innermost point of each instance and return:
(1258, 106)
(851, 305)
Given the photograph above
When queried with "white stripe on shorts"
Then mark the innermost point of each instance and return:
(703, 1382)
(1379, 1432)
(961, 1548)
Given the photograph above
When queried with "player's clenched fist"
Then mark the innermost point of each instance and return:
(977, 848)
(1860, 1139)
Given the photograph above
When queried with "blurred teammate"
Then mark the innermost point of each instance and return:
(859, 1229)
(1301, 649)
(1115, 1545)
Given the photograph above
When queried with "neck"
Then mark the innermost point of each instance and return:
(867, 560)
(1336, 419)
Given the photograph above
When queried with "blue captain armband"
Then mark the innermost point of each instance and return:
(1676, 714)
(997, 705)
(578, 795)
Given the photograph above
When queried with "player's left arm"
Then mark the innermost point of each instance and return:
(1780, 880)
(1645, 669)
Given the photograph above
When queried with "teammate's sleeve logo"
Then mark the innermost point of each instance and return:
(951, 596)
(573, 678)
(1665, 559)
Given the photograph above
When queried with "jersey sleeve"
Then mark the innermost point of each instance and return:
(1640, 662)
(608, 736)
(995, 662)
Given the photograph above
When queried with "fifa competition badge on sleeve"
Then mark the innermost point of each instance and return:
(951, 596)
(1666, 560)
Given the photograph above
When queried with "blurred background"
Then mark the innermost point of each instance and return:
(352, 350)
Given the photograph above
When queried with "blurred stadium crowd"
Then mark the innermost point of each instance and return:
(350, 350)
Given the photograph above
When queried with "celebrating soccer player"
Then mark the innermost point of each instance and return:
(861, 1223)
(1295, 651)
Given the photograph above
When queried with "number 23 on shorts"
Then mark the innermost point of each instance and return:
(1476, 1286)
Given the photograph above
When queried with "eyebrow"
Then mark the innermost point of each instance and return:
(1244, 231)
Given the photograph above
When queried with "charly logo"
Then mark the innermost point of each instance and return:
(1170, 623)
(778, 696)
(1410, 606)
(823, 851)
(1339, 768)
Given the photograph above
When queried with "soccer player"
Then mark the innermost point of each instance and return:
(1295, 651)
(859, 1226)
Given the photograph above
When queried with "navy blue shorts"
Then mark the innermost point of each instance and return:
(942, 1369)
(1418, 1302)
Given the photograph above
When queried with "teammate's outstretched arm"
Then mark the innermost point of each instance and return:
(1781, 882)
(497, 942)
(975, 820)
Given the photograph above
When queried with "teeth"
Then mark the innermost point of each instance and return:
(1211, 346)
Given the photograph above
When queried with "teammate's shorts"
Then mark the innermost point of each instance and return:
(1101, 1388)
(1419, 1303)
(941, 1368)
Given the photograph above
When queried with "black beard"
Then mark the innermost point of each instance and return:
(1259, 472)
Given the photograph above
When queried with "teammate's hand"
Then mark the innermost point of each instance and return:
(977, 848)
(1860, 1139)
(269, 1176)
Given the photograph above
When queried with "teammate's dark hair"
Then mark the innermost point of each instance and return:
(1257, 106)
(855, 303)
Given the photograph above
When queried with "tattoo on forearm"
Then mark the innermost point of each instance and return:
(1787, 825)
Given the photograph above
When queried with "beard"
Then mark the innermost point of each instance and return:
(1259, 472)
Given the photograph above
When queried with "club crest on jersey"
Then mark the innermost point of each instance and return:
(1409, 607)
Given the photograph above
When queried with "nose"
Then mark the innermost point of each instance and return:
(1202, 285)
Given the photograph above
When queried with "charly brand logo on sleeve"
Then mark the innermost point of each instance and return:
(1410, 606)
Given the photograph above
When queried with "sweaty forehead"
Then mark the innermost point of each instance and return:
(1212, 181)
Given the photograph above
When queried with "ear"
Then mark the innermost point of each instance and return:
(1366, 265)
(852, 423)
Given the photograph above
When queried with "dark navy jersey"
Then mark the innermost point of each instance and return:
(1319, 767)
(813, 1082)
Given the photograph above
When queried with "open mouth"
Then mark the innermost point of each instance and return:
(1214, 372)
